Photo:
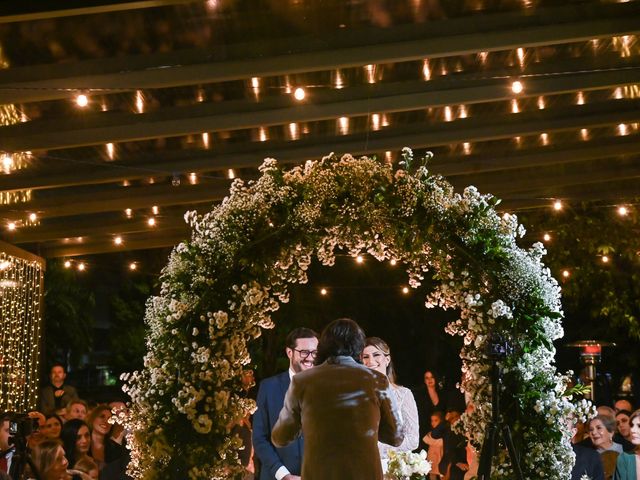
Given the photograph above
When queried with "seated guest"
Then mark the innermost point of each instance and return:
(111, 457)
(76, 440)
(588, 462)
(6, 451)
(87, 466)
(601, 430)
(623, 430)
(49, 459)
(628, 464)
(52, 426)
(56, 394)
(623, 404)
(76, 408)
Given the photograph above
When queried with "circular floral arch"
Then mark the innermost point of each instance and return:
(219, 289)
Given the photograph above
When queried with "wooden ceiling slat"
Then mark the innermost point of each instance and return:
(112, 127)
(13, 12)
(460, 37)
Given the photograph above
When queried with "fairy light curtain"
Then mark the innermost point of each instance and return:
(21, 291)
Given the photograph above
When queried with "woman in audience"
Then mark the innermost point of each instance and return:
(623, 427)
(52, 426)
(76, 439)
(628, 464)
(110, 457)
(49, 458)
(377, 356)
(601, 430)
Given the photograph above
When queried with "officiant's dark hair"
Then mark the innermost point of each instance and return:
(342, 337)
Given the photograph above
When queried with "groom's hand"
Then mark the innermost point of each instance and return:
(291, 477)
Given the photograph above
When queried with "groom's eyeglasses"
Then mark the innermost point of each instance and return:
(306, 353)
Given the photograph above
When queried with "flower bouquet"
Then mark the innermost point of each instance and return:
(408, 465)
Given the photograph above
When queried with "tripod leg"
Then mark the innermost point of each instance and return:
(508, 441)
(486, 454)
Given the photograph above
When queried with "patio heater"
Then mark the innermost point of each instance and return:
(590, 354)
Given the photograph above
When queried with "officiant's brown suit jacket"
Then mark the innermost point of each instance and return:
(343, 408)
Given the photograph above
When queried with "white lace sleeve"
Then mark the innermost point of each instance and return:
(409, 415)
(409, 419)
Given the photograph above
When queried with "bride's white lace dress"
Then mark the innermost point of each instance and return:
(409, 416)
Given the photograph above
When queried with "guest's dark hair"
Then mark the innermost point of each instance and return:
(342, 337)
(58, 364)
(69, 436)
(300, 332)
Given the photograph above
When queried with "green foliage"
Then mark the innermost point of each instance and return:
(600, 299)
(68, 315)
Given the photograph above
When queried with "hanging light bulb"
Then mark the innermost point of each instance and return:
(117, 240)
(517, 87)
(360, 259)
(323, 291)
(546, 237)
(82, 100)
(623, 211)
(405, 290)
(557, 205)
(299, 94)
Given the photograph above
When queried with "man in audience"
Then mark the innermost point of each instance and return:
(57, 394)
(623, 404)
(286, 462)
(6, 450)
(76, 408)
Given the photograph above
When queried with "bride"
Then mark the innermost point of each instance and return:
(377, 356)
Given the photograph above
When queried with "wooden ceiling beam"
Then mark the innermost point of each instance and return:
(118, 199)
(12, 12)
(112, 127)
(159, 239)
(472, 34)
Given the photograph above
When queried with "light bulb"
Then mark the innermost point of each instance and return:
(82, 100)
(133, 266)
(517, 87)
(405, 290)
(557, 205)
(323, 291)
(359, 259)
(151, 222)
(622, 211)
(117, 240)
(566, 273)
(299, 94)
(546, 237)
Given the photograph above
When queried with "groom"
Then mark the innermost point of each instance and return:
(281, 463)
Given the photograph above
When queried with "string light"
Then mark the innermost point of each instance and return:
(371, 73)
(133, 266)
(546, 237)
(139, 101)
(405, 290)
(155, 210)
(375, 121)
(67, 264)
(323, 291)
(393, 262)
(151, 222)
(544, 139)
(263, 134)
(81, 266)
(193, 178)
(557, 205)
(541, 103)
(117, 240)
(33, 217)
(7, 163)
(128, 212)
(339, 82)
(584, 134)
(426, 71)
(294, 133)
(580, 98)
(360, 259)
(622, 211)
(605, 259)
(566, 273)
(622, 129)
(205, 139)
(343, 125)
(11, 226)
(517, 87)
(111, 151)
(299, 94)
(231, 174)
(20, 328)
(448, 114)
(82, 100)
(514, 106)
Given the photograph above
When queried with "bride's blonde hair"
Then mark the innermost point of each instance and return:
(381, 345)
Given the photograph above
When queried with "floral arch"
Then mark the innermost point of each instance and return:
(219, 289)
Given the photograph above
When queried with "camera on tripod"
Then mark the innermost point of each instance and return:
(498, 347)
(21, 425)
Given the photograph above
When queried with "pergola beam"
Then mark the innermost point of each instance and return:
(489, 33)
(113, 127)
